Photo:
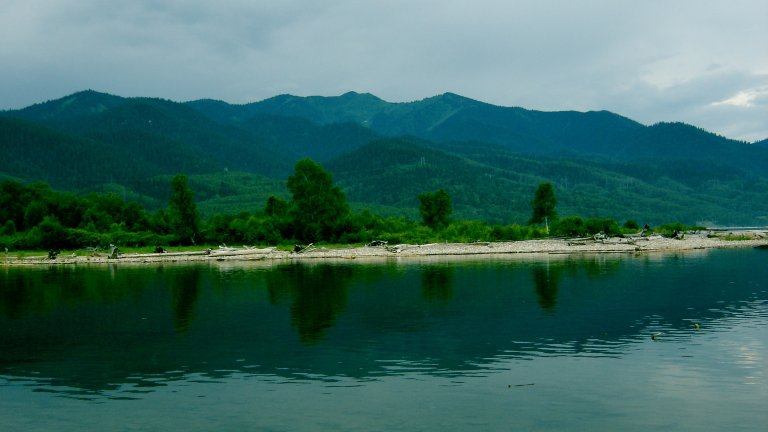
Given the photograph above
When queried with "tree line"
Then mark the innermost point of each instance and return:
(34, 216)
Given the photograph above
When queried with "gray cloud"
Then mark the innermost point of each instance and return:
(651, 61)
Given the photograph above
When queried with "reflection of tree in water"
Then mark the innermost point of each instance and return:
(185, 290)
(40, 291)
(437, 283)
(319, 295)
(600, 265)
(14, 296)
(546, 279)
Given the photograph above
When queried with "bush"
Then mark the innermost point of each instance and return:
(80, 238)
(466, 231)
(631, 225)
(670, 228)
(607, 226)
(571, 226)
(8, 229)
(52, 234)
(514, 233)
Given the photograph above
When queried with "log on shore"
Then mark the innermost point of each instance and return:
(239, 252)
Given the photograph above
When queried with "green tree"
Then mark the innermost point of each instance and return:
(182, 211)
(52, 234)
(570, 226)
(34, 213)
(435, 208)
(13, 201)
(318, 205)
(543, 204)
(275, 206)
(631, 224)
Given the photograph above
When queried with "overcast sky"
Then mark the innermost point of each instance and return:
(703, 62)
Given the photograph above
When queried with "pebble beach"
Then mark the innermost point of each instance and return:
(627, 245)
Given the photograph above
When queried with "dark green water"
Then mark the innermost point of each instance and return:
(556, 343)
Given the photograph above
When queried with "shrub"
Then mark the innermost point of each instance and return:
(467, 231)
(631, 225)
(670, 228)
(607, 226)
(571, 226)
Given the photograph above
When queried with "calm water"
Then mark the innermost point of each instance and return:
(552, 343)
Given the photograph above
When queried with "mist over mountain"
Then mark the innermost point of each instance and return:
(489, 158)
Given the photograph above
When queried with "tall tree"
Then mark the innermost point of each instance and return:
(435, 208)
(543, 204)
(182, 211)
(318, 206)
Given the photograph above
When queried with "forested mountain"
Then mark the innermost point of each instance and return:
(350, 107)
(495, 185)
(453, 118)
(489, 158)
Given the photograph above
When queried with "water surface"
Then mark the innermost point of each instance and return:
(551, 343)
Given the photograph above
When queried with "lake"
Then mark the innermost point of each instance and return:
(544, 342)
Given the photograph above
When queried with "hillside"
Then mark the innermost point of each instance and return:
(489, 158)
(453, 118)
(498, 186)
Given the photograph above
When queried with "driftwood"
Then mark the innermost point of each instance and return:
(166, 254)
(238, 252)
(299, 249)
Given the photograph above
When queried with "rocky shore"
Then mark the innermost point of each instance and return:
(634, 245)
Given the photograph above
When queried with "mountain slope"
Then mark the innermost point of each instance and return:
(453, 118)
(393, 172)
(80, 104)
(299, 138)
(489, 158)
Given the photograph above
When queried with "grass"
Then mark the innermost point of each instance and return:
(730, 237)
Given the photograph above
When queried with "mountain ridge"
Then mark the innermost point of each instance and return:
(451, 117)
(490, 157)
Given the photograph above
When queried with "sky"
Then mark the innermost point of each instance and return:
(702, 62)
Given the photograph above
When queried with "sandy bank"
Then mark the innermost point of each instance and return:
(692, 241)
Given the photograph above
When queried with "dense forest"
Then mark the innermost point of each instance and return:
(38, 217)
(489, 159)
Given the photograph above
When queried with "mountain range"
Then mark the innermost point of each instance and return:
(488, 158)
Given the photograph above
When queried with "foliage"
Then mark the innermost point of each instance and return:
(543, 204)
(487, 158)
(74, 222)
(275, 207)
(631, 224)
(732, 237)
(435, 208)
(318, 206)
(601, 225)
(571, 226)
(36, 217)
(182, 211)
(671, 228)
(575, 226)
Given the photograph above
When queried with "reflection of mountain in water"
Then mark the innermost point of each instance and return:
(94, 328)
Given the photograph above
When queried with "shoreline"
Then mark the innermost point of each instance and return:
(612, 245)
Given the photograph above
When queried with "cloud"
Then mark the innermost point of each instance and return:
(652, 60)
(744, 98)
